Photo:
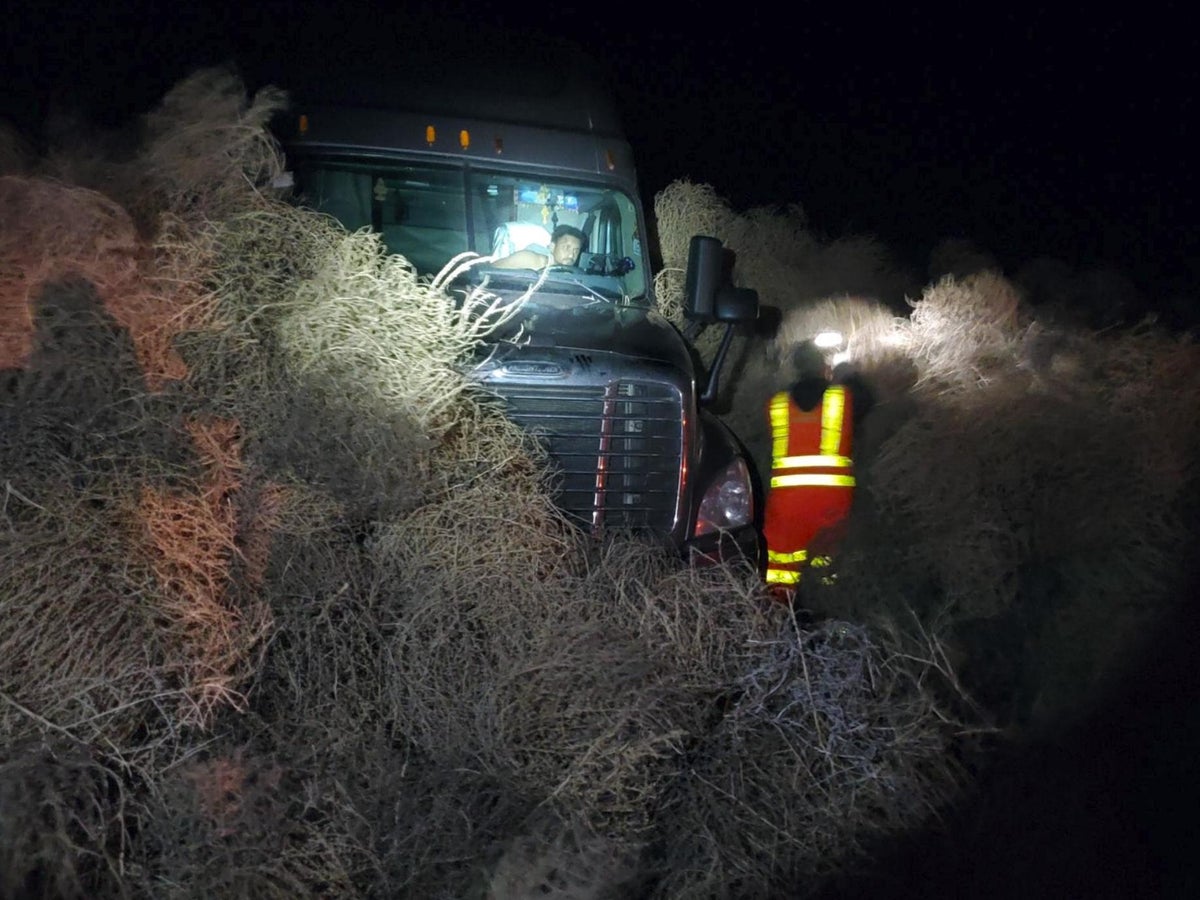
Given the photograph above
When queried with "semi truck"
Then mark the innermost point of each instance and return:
(616, 393)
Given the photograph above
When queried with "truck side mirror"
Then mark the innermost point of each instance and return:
(709, 295)
(705, 275)
(734, 304)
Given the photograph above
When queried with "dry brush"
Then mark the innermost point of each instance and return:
(294, 613)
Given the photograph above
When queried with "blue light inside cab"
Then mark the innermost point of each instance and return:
(540, 198)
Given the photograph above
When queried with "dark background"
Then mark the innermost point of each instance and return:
(1031, 131)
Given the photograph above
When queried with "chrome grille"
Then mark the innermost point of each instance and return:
(617, 448)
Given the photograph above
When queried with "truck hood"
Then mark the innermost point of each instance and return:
(631, 333)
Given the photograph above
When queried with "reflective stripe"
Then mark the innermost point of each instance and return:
(832, 413)
(847, 481)
(782, 576)
(830, 460)
(779, 425)
(821, 562)
(778, 556)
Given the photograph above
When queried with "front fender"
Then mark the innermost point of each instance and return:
(719, 446)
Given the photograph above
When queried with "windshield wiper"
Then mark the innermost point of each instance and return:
(597, 296)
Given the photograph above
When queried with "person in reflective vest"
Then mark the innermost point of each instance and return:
(812, 478)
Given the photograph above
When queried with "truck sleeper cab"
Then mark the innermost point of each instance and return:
(599, 376)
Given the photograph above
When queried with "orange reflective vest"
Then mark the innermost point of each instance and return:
(812, 482)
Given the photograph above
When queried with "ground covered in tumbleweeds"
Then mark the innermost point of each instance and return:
(286, 609)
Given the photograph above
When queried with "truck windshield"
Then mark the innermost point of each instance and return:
(430, 213)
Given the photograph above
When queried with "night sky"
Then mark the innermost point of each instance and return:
(1031, 132)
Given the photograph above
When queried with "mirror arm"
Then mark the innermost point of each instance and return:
(714, 377)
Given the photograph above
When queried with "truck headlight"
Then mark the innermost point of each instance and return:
(729, 501)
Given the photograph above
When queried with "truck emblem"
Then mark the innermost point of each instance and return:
(534, 369)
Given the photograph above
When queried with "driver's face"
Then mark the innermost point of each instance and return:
(565, 251)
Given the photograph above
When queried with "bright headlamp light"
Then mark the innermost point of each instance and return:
(828, 340)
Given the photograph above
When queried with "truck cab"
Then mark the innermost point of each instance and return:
(612, 389)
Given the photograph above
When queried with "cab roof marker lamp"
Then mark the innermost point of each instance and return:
(430, 135)
(464, 139)
(610, 160)
(499, 144)
(303, 124)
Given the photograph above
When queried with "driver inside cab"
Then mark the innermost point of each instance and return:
(566, 243)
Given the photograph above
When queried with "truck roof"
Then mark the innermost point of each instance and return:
(550, 110)
(491, 76)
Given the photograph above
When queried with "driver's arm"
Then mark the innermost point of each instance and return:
(522, 259)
